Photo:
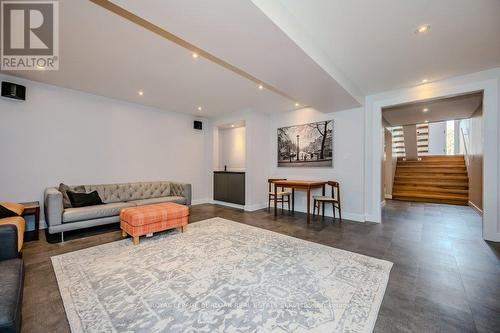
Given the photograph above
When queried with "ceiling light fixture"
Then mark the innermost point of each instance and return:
(425, 81)
(200, 108)
(422, 29)
(140, 92)
(297, 104)
(195, 55)
(261, 87)
(232, 125)
(425, 110)
(426, 121)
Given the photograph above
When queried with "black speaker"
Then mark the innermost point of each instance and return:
(12, 90)
(198, 125)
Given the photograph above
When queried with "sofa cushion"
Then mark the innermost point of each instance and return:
(63, 188)
(11, 294)
(94, 212)
(130, 191)
(175, 199)
(84, 199)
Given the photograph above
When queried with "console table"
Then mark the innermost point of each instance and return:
(306, 185)
(32, 208)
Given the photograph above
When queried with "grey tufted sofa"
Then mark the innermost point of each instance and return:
(115, 197)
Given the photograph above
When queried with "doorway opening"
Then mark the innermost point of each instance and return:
(433, 151)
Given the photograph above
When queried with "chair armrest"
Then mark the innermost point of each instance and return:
(53, 202)
(8, 242)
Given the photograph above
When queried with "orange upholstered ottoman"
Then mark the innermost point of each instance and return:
(143, 220)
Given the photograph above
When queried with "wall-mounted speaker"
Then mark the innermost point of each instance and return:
(198, 125)
(12, 90)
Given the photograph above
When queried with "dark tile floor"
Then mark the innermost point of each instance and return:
(445, 278)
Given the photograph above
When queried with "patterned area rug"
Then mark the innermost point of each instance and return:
(220, 276)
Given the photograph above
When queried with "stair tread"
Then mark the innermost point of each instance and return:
(426, 189)
(430, 195)
(437, 184)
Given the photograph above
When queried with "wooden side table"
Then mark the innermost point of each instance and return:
(32, 208)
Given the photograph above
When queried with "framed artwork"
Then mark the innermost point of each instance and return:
(306, 146)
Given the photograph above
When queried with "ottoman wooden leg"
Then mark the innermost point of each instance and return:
(136, 240)
(124, 234)
(184, 228)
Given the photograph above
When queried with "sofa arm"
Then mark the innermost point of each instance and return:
(8, 242)
(53, 200)
(186, 193)
(181, 190)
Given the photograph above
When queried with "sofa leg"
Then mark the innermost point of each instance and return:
(184, 228)
(124, 234)
(136, 240)
(62, 236)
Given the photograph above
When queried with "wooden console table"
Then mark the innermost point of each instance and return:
(306, 185)
(32, 208)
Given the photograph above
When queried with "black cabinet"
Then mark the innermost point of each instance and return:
(229, 187)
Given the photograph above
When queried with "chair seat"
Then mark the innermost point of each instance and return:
(324, 198)
(280, 194)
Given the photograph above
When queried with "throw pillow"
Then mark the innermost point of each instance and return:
(63, 188)
(84, 199)
(5, 212)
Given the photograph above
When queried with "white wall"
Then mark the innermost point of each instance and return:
(232, 148)
(347, 162)
(487, 81)
(61, 135)
(437, 138)
(471, 143)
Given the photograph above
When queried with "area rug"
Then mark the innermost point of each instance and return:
(220, 276)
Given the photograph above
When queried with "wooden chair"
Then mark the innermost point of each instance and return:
(334, 199)
(281, 194)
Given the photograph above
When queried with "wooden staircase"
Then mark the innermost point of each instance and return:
(439, 179)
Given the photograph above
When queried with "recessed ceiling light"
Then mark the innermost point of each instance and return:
(297, 104)
(195, 55)
(140, 92)
(422, 29)
(426, 121)
(200, 108)
(425, 81)
(232, 125)
(261, 87)
(425, 110)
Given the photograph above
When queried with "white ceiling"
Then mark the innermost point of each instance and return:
(452, 108)
(104, 54)
(373, 42)
(346, 49)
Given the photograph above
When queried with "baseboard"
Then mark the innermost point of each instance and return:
(476, 208)
(227, 204)
(252, 208)
(200, 202)
(372, 218)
